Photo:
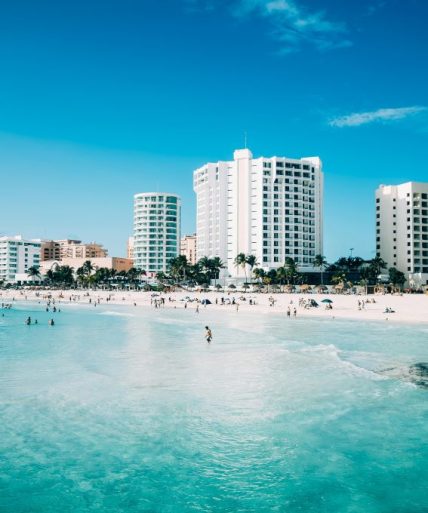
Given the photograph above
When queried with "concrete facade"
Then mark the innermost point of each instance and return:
(188, 248)
(402, 229)
(268, 207)
(157, 221)
(17, 255)
(116, 263)
(130, 248)
(68, 248)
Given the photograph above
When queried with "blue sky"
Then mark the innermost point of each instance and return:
(99, 100)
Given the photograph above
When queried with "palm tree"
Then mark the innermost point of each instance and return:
(64, 275)
(177, 267)
(343, 263)
(161, 277)
(355, 263)
(84, 272)
(320, 261)
(204, 270)
(101, 275)
(81, 275)
(112, 275)
(252, 262)
(141, 273)
(216, 266)
(282, 275)
(133, 275)
(267, 280)
(259, 273)
(50, 276)
(396, 277)
(241, 261)
(88, 267)
(33, 272)
(376, 266)
(339, 278)
(290, 269)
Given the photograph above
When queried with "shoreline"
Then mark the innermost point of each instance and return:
(407, 308)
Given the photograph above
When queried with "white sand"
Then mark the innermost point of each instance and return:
(410, 308)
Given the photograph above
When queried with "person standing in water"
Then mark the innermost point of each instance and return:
(208, 334)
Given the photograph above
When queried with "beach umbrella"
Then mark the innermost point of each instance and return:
(326, 301)
(206, 302)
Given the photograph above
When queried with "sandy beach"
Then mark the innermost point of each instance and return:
(408, 308)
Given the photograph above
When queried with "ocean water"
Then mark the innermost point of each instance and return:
(119, 409)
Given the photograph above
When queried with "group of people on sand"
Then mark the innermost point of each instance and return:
(156, 302)
(388, 310)
(363, 302)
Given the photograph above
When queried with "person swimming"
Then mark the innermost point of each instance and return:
(208, 334)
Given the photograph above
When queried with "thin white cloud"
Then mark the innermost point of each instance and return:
(292, 25)
(380, 115)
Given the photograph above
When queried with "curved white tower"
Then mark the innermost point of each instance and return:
(157, 218)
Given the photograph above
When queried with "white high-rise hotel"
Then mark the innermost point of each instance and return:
(268, 207)
(157, 217)
(402, 229)
(17, 255)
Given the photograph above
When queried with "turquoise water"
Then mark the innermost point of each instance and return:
(128, 410)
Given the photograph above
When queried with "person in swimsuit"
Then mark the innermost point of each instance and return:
(208, 334)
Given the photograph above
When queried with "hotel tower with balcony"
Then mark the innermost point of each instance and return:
(268, 207)
(157, 218)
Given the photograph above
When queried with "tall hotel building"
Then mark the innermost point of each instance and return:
(402, 228)
(157, 218)
(268, 207)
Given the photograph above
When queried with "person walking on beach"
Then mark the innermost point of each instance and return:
(197, 309)
(208, 334)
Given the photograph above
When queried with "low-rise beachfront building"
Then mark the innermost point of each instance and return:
(50, 250)
(271, 208)
(188, 248)
(69, 248)
(17, 255)
(402, 229)
(157, 221)
(116, 263)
